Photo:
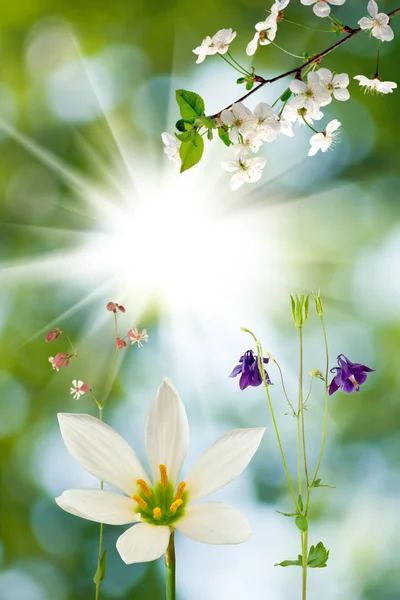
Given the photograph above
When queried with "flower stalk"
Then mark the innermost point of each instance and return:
(170, 568)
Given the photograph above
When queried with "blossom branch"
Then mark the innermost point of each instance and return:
(298, 70)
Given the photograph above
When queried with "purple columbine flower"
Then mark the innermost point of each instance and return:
(349, 376)
(250, 373)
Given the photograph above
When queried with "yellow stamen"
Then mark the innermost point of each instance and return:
(180, 490)
(145, 488)
(163, 475)
(139, 500)
(157, 514)
(175, 505)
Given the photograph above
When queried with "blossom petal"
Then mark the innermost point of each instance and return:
(308, 2)
(223, 462)
(372, 8)
(167, 432)
(332, 126)
(341, 80)
(252, 45)
(98, 505)
(214, 523)
(297, 86)
(341, 94)
(366, 23)
(322, 9)
(102, 451)
(384, 33)
(237, 180)
(143, 542)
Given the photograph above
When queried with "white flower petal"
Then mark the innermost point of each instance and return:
(263, 111)
(252, 46)
(143, 542)
(167, 432)
(372, 8)
(223, 462)
(384, 33)
(341, 94)
(322, 9)
(214, 523)
(337, 2)
(308, 2)
(362, 79)
(313, 150)
(98, 505)
(169, 140)
(230, 165)
(341, 80)
(332, 126)
(102, 451)
(297, 86)
(325, 75)
(366, 23)
(227, 117)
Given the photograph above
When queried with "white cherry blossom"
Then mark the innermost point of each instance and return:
(158, 504)
(377, 23)
(218, 44)
(376, 85)
(171, 147)
(239, 118)
(321, 7)
(334, 84)
(264, 35)
(250, 141)
(267, 123)
(246, 170)
(324, 140)
(310, 95)
(292, 114)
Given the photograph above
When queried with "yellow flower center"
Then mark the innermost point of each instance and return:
(161, 504)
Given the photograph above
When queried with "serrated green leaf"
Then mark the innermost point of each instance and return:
(289, 563)
(184, 125)
(318, 556)
(191, 152)
(101, 568)
(223, 134)
(301, 523)
(191, 104)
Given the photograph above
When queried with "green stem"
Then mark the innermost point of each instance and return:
(283, 49)
(170, 569)
(321, 454)
(301, 407)
(304, 549)
(308, 124)
(85, 379)
(231, 65)
(271, 408)
(308, 27)
(100, 553)
(377, 60)
(283, 386)
(238, 64)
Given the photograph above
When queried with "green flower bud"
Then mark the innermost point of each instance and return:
(316, 374)
(319, 309)
(299, 303)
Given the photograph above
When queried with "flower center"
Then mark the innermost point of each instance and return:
(161, 504)
(354, 381)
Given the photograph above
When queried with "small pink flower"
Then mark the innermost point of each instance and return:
(113, 307)
(60, 360)
(79, 388)
(138, 337)
(120, 343)
(53, 335)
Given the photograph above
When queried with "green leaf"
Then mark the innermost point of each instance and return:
(101, 568)
(184, 137)
(209, 123)
(286, 95)
(191, 152)
(210, 134)
(287, 514)
(300, 502)
(241, 80)
(191, 104)
(223, 134)
(318, 556)
(301, 523)
(249, 85)
(184, 125)
(289, 563)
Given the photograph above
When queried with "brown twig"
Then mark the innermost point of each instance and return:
(297, 70)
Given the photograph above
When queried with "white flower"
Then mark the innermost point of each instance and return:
(138, 337)
(335, 84)
(157, 505)
(376, 85)
(79, 388)
(299, 115)
(246, 170)
(321, 7)
(250, 141)
(267, 124)
(171, 147)
(239, 118)
(287, 127)
(377, 23)
(311, 95)
(323, 141)
(218, 44)
(264, 35)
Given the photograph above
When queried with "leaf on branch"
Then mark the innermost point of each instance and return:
(101, 568)
(223, 134)
(286, 95)
(210, 123)
(290, 563)
(301, 523)
(249, 85)
(287, 514)
(318, 556)
(191, 151)
(184, 137)
(184, 125)
(191, 104)
(317, 483)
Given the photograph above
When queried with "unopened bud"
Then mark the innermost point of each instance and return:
(316, 374)
(319, 309)
(299, 304)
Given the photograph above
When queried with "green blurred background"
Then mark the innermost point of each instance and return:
(86, 88)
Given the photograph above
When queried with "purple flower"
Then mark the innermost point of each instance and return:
(349, 376)
(250, 373)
